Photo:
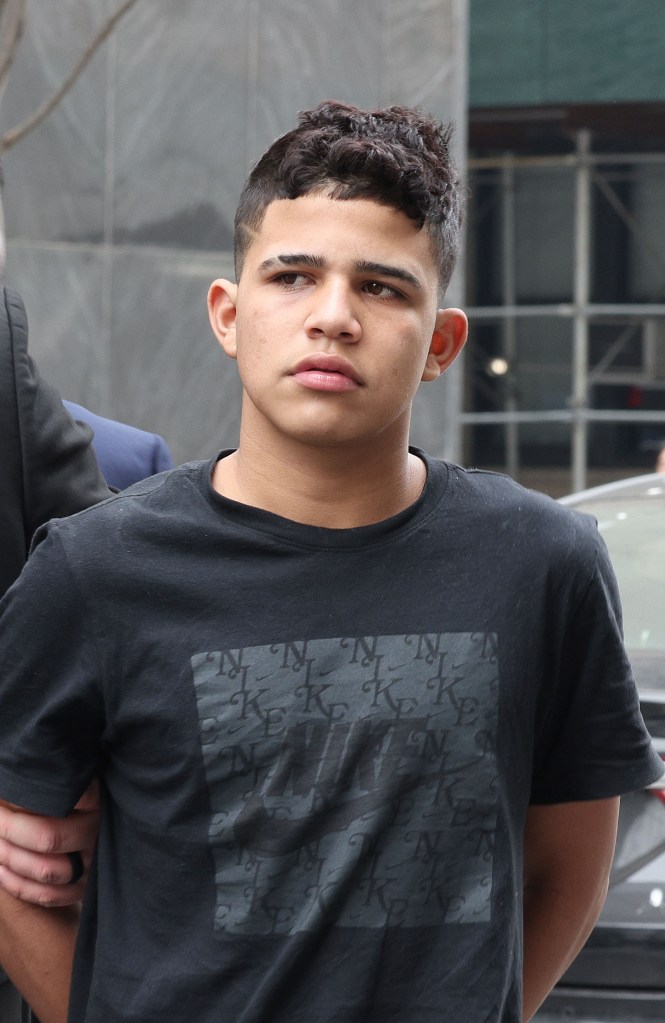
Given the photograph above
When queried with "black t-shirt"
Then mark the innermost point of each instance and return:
(317, 746)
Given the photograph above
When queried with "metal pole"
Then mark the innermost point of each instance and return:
(582, 260)
(511, 433)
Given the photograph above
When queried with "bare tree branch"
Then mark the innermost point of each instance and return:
(12, 15)
(11, 137)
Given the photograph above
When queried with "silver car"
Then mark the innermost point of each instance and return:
(620, 974)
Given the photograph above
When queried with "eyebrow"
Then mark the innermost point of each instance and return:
(363, 266)
(387, 270)
(292, 259)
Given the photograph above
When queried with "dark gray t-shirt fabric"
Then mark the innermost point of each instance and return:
(317, 746)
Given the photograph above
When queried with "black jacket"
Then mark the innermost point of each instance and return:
(47, 464)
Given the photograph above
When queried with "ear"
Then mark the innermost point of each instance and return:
(448, 339)
(222, 302)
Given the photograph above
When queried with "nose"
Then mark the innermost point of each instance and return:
(333, 313)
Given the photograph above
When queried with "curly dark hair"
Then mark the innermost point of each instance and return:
(396, 156)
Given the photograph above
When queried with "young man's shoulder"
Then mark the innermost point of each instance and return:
(499, 492)
(156, 502)
(495, 504)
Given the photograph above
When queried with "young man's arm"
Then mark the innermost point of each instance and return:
(35, 865)
(568, 850)
(37, 951)
(37, 943)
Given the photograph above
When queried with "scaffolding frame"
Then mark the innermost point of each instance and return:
(581, 311)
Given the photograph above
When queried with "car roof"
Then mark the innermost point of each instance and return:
(650, 485)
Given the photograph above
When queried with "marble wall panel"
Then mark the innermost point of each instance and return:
(167, 371)
(63, 291)
(309, 52)
(424, 35)
(372, 54)
(427, 37)
(180, 96)
(54, 177)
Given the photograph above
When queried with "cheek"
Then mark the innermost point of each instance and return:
(412, 358)
(402, 374)
(410, 371)
(253, 342)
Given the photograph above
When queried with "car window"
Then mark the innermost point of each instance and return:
(634, 531)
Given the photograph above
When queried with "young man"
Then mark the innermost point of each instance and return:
(360, 717)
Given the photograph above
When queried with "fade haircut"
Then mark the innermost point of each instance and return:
(396, 156)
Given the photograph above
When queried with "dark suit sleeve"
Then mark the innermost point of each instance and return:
(47, 464)
(161, 456)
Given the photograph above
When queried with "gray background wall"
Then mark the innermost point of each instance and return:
(119, 208)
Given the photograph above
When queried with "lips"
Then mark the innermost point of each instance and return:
(324, 372)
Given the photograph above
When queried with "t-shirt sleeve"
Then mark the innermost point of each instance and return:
(51, 706)
(593, 744)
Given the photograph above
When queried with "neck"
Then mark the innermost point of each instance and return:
(331, 487)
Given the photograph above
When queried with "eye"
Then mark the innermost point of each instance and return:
(380, 290)
(290, 279)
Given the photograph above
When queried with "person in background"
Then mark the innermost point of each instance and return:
(361, 716)
(50, 461)
(47, 463)
(50, 468)
(124, 453)
(47, 469)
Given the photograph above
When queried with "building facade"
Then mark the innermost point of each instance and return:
(566, 241)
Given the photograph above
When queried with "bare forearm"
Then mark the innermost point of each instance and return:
(36, 952)
(556, 926)
(568, 850)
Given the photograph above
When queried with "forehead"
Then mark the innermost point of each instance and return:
(358, 229)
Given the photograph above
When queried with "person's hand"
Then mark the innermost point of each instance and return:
(45, 860)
